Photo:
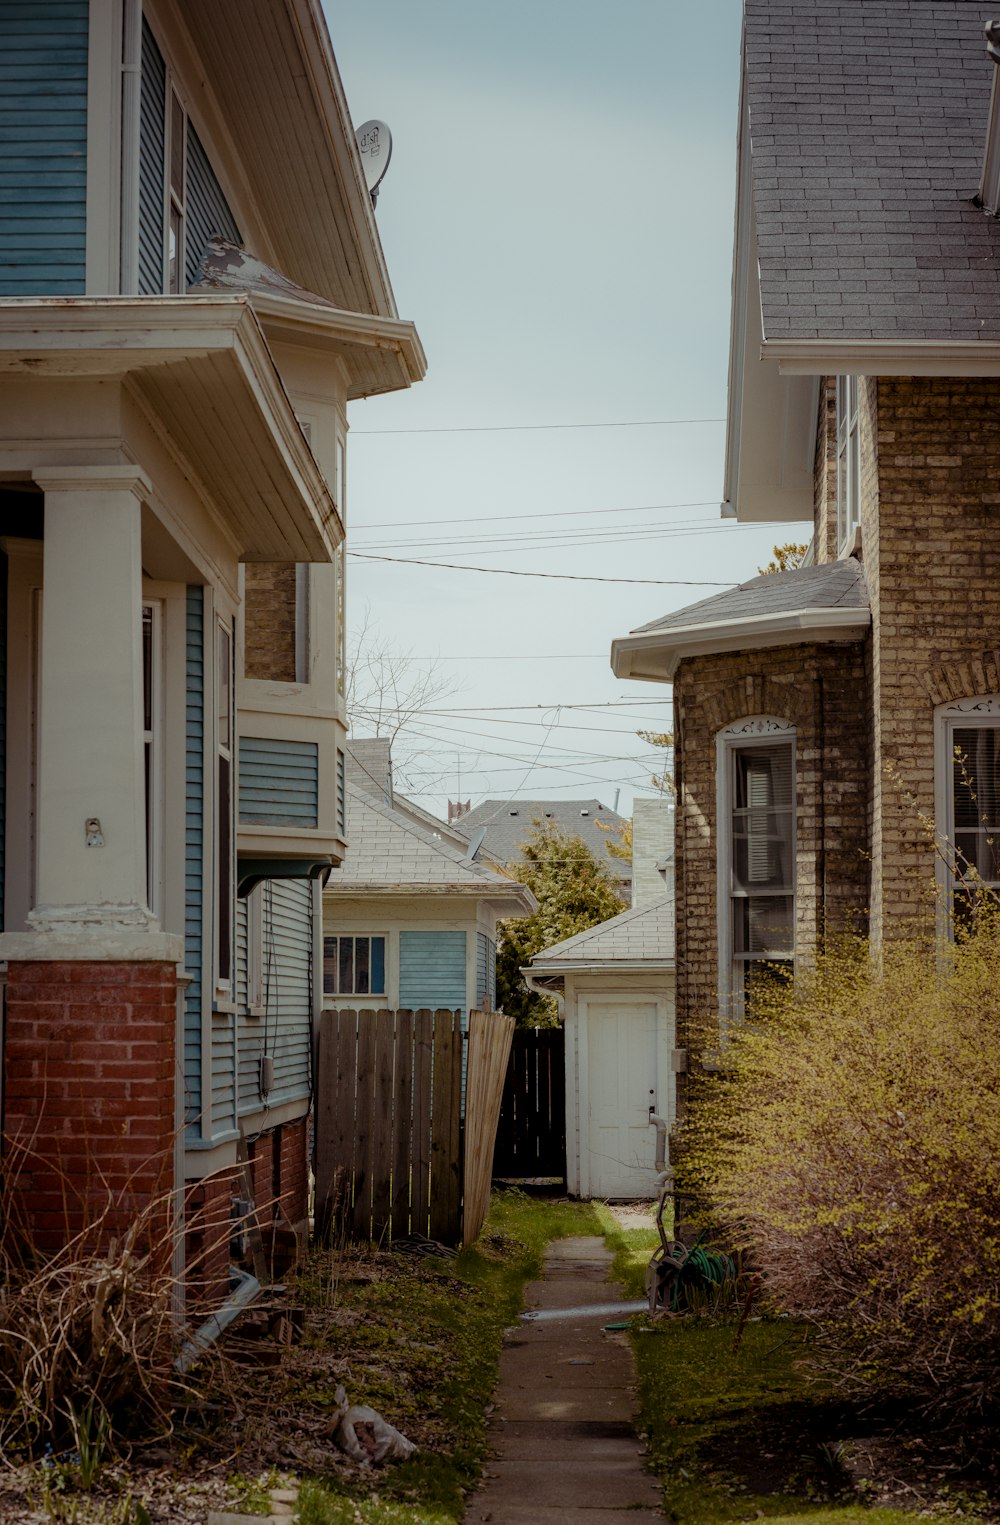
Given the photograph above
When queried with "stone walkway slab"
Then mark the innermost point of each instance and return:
(562, 1441)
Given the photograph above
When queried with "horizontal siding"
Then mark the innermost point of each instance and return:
(341, 793)
(152, 152)
(194, 827)
(486, 972)
(279, 782)
(285, 1031)
(207, 210)
(3, 733)
(223, 1072)
(43, 147)
(432, 969)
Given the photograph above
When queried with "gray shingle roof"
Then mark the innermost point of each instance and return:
(636, 936)
(388, 852)
(509, 825)
(834, 585)
(868, 124)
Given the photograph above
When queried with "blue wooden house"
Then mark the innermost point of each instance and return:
(192, 291)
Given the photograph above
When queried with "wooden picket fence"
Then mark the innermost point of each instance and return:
(392, 1156)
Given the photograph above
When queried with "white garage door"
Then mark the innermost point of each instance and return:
(621, 1064)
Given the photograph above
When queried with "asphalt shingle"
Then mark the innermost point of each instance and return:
(833, 585)
(867, 130)
(637, 936)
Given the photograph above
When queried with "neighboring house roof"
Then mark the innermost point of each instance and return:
(822, 603)
(509, 824)
(867, 132)
(369, 768)
(389, 854)
(640, 937)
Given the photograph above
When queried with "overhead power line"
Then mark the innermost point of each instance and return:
(451, 566)
(622, 423)
(563, 513)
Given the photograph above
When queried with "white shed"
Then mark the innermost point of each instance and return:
(615, 984)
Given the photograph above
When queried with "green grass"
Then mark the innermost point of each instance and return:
(632, 1248)
(744, 1435)
(424, 1348)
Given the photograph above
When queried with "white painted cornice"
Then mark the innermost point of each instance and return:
(350, 335)
(160, 345)
(656, 654)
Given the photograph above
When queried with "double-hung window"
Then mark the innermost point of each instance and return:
(968, 788)
(354, 966)
(756, 900)
(848, 461)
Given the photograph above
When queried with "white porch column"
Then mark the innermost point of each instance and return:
(91, 836)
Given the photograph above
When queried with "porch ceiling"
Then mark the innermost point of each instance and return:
(202, 372)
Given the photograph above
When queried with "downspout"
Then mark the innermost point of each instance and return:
(193, 1349)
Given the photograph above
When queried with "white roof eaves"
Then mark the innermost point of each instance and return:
(584, 966)
(884, 357)
(669, 647)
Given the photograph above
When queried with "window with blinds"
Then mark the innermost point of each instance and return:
(975, 815)
(757, 858)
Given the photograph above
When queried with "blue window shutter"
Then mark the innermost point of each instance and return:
(43, 148)
(207, 209)
(152, 158)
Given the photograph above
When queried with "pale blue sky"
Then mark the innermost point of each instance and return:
(557, 219)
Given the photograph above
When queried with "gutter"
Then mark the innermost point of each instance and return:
(884, 357)
(717, 636)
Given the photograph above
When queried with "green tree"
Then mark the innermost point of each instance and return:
(574, 891)
(786, 558)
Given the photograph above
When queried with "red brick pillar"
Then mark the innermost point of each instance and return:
(89, 1099)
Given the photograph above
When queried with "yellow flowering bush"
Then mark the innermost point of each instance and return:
(852, 1132)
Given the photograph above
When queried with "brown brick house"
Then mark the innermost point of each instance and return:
(818, 712)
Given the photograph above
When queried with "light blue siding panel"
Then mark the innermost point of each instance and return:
(432, 969)
(341, 793)
(207, 209)
(223, 1072)
(152, 106)
(486, 972)
(279, 782)
(43, 159)
(285, 1031)
(194, 849)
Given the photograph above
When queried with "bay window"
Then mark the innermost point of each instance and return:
(756, 858)
(968, 813)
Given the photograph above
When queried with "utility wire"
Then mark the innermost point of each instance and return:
(563, 513)
(449, 566)
(625, 423)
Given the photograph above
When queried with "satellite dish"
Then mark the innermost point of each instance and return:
(475, 845)
(375, 145)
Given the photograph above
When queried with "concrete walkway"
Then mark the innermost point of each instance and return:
(561, 1437)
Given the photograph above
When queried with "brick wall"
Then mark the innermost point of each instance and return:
(269, 621)
(820, 689)
(279, 1171)
(89, 1098)
(932, 554)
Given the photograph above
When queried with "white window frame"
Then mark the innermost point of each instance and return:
(354, 995)
(982, 711)
(848, 438)
(153, 741)
(754, 731)
(256, 984)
